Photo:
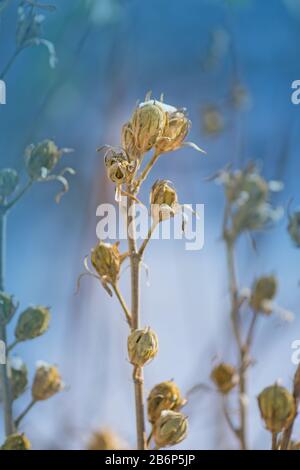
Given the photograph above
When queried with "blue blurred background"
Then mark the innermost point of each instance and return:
(231, 63)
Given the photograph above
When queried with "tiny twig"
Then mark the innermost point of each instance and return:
(12, 345)
(10, 204)
(145, 172)
(146, 240)
(123, 304)
(24, 413)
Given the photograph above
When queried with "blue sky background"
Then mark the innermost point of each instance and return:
(110, 53)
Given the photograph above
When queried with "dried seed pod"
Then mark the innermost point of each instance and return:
(225, 377)
(105, 439)
(142, 346)
(163, 200)
(263, 291)
(33, 322)
(106, 259)
(212, 121)
(277, 408)
(119, 168)
(174, 133)
(148, 123)
(7, 308)
(294, 228)
(128, 142)
(9, 180)
(164, 396)
(16, 442)
(40, 159)
(18, 376)
(46, 383)
(170, 429)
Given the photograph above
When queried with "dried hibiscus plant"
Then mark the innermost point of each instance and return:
(161, 128)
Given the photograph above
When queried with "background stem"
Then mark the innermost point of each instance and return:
(5, 385)
(138, 376)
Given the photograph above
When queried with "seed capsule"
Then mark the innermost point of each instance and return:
(46, 383)
(170, 429)
(33, 322)
(128, 142)
(148, 123)
(277, 408)
(40, 159)
(164, 396)
(7, 308)
(119, 168)
(142, 346)
(263, 291)
(174, 133)
(106, 260)
(225, 377)
(9, 180)
(18, 376)
(294, 228)
(105, 439)
(212, 121)
(163, 200)
(16, 442)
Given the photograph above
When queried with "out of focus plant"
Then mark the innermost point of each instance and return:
(161, 128)
(248, 209)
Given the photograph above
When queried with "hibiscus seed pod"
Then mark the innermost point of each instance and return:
(106, 260)
(142, 346)
(16, 442)
(148, 123)
(18, 376)
(212, 121)
(164, 396)
(46, 383)
(33, 322)
(40, 159)
(163, 200)
(128, 143)
(174, 133)
(119, 168)
(7, 308)
(263, 291)
(225, 377)
(105, 439)
(294, 228)
(170, 429)
(9, 180)
(277, 408)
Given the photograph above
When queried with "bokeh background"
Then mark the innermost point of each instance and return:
(231, 63)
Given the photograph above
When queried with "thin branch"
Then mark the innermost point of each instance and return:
(24, 413)
(274, 441)
(9, 63)
(146, 240)
(123, 304)
(12, 345)
(145, 172)
(10, 204)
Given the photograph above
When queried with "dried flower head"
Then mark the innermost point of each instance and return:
(294, 228)
(16, 442)
(7, 308)
(105, 439)
(225, 377)
(164, 396)
(263, 292)
(119, 168)
(9, 180)
(142, 346)
(170, 429)
(277, 408)
(33, 322)
(163, 200)
(46, 383)
(106, 259)
(18, 376)
(175, 132)
(41, 159)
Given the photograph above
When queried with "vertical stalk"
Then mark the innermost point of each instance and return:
(5, 385)
(243, 348)
(138, 375)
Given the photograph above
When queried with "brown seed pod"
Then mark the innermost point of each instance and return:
(46, 383)
(174, 133)
(170, 429)
(119, 168)
(106, 259)
(225, 377)
(147, 124)
(263, 291)
(164, 396)
(277, 408)
(128, 142)
(163, 200)
(105, 439)
(142, 346)
(16, 442)
(33, 322)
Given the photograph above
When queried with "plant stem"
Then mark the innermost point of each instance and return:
(123, 304)
(145, 242)
(138, 377)
(4, 376)
(274, 441)
(146, 171)
(24, 413)
(9, 63)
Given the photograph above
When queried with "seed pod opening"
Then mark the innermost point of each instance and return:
(277, 408)
(225, 377)
(164, 396)
(46, 383)
(170, 429)
(142, 346)
(16, 442)
(33, 322)
(119, 168)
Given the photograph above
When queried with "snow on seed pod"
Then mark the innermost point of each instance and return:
(263, 292)
(46, 383)
(142, 346)
(7, 308)
(170, 429)
(277, 408)
(16, 442)
(9, 180)
(33, 322)
(164, 396)
(294, 228)
(225, 377)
